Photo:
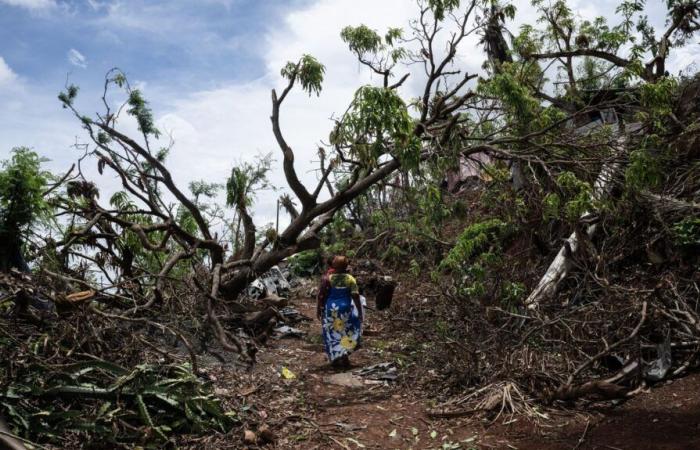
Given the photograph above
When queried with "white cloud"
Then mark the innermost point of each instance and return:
(216, 128)
(157, 18)
(33, 5)
(76, 58)
(96, 5)
(685, 60)
(7, 76)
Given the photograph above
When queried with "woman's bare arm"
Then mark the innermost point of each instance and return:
(358, 304)
(321, 296)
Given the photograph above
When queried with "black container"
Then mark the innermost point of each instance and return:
(384, 293)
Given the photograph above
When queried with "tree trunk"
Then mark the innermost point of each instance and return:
(6, 440)
(560, 266)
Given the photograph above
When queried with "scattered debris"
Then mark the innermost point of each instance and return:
(346, 379)
(285, 331)
(292, 315)
(272, 282)
(348, 427)
(81, 296)
(660, 367)
(287, 374)
(384, 371)
(265, 435)
(249, 437)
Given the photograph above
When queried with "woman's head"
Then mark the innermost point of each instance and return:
(340, 263)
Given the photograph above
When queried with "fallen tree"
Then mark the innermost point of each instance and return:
(153, 232)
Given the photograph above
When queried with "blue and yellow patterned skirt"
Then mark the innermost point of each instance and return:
(341, 326)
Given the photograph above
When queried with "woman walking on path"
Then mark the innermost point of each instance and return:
(341, 324)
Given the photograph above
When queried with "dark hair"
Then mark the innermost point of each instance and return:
(340, 263)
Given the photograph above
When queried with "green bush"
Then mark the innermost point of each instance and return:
(306, 263)
(687, 231)
(473, 241)
(22, 186)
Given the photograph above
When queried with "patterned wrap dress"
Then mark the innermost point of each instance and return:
(341, 326)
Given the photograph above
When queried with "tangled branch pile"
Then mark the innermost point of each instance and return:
(625, 316)
(140, 389)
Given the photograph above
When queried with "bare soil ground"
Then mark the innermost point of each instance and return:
(308, 411)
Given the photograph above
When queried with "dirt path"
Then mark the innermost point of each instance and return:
(322, 414)
(311, 411)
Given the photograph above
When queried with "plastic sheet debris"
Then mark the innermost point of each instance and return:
(292, 315)
(287, 374)
(659, 368)
(384, 372)
(286, 331)
(349, 427)
(273, 282)
(42, 304)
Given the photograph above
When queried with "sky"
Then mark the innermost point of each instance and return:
(207, 68)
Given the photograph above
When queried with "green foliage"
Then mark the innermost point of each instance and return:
(473, 241)
(392, 35)
(246, 179)
(186, 221)
(394, 253)
(361, 39)
(643, 171)
(551, 206)
(473, 281)
(658, 99)
(103, 138)
(306, 263)
(687, 231)
(202, 188)
(308, 71)
(512, 293)
(590, 74)
(578, 195)
(414, 268)
(527, 42)
(442, 7)
(99, 396)
(431, 208)
(68, 96)
(476, 255)
(119, 79)
(128, 241)
(138, 107)
(376, 122)
(121, 201)
(510, 86)
(22, 186)
(368, 45)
